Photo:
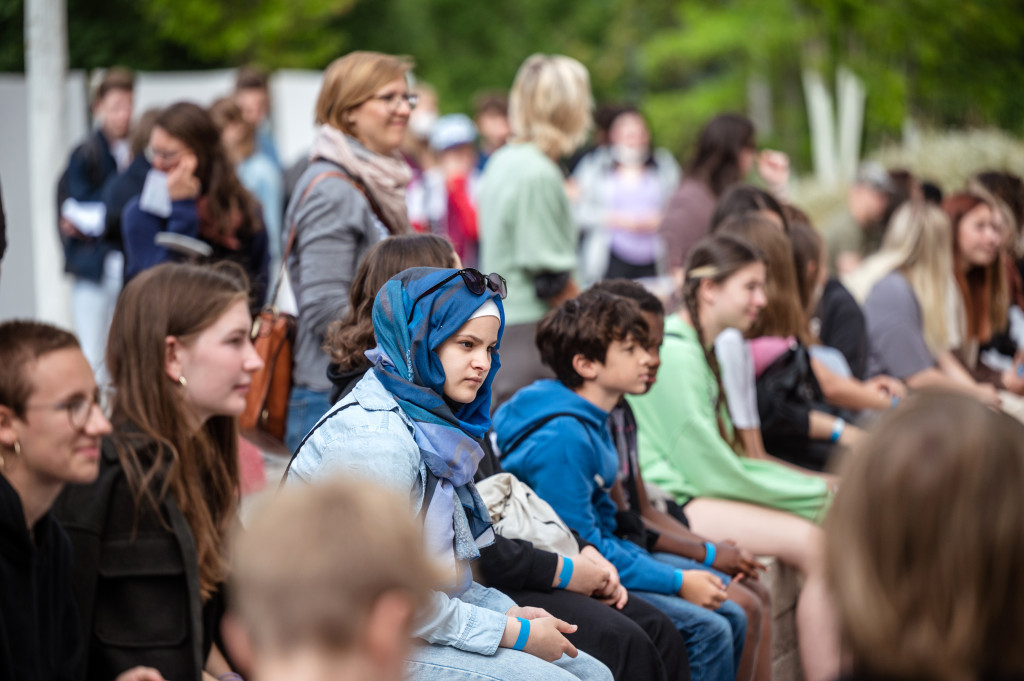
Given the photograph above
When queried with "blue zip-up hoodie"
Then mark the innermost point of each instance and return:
(571, 462)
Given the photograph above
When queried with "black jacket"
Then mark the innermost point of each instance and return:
(136, 580)
(88, 171)
(39, 636)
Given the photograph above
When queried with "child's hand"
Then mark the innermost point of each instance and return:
(547, 637)
(588, 577)
(733, 560)
(703, 589)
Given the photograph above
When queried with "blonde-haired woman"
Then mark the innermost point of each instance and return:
(906, 290)
(925, 542)
(526, 227)
(351, 196)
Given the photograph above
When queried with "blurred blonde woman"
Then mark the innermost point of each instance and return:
(925, 541)
(906, 290)
(526, 226)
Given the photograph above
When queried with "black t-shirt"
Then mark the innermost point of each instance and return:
(843, 327)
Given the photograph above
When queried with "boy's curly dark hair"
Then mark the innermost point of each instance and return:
(587, 326)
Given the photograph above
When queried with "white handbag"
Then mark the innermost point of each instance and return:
(519, 513)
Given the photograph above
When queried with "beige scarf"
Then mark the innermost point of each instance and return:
(385, 177)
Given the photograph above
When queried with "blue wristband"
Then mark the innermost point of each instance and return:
(837, 430)
(709, 554)
(566, 574)
(677, 583)
(524, 633)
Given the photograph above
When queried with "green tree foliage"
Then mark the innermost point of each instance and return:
(943, 62)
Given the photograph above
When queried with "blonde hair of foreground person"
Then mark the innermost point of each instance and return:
(550, 104)
(328, 577)
(925, 544)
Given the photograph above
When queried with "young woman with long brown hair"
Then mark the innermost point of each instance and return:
(150, 534)
(686, 442)
(205, 200)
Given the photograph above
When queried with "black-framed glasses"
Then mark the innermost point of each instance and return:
(79, 407)
(476, 281)
(392, 100)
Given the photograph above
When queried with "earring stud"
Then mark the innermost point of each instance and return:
(182, 381)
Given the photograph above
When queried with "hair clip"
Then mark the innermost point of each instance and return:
(701, 272)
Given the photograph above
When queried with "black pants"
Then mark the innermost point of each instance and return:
(636, 643)
(620, 269)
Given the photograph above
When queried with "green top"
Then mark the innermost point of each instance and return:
(682, 451)
(526, 226)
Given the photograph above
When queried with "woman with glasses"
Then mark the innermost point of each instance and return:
(193, 191)
(149, 535)
(422, 410)
(351, 196)
(50, 432)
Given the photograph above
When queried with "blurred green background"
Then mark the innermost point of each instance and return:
(939, 63)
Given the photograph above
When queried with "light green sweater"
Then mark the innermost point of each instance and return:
(682, 451)
(526, 226)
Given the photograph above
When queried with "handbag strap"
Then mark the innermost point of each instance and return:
(341, 174)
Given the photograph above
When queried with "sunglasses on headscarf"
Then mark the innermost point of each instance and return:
(476, 281)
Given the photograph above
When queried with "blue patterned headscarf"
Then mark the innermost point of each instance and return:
(405, 361)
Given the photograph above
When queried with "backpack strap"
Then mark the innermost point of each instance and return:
(308, 435)
(533, 429)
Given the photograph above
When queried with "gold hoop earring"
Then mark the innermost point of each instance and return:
(182, 381)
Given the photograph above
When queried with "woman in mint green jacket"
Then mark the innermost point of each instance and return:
(687, 445)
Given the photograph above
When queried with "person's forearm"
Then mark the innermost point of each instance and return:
(951, 367)
(847, 392)
(673, 536)
(570, 291)
(824, 426)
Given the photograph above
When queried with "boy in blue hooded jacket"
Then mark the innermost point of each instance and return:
(555, 437)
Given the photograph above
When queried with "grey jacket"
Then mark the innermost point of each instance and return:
(334, 227)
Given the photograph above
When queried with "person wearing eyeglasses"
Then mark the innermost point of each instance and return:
(413, 423)
(351, 196)
(50, 431)
(150, 535)
(192, 190)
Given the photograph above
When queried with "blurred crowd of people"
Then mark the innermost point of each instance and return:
(553, 395)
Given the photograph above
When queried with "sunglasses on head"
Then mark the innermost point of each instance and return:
(476, 281)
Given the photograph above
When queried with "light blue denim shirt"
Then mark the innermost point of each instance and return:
(374, 440)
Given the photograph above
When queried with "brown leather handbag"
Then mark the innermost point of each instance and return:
(273, 333)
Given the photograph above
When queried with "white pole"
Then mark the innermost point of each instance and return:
(821, 115)
(46, 65)
(851, 97)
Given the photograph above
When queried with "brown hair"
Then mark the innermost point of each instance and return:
(352, 80)
(193, 127)
(925, 541)
(716, 160)
(296, 580)
(783, 315)
(587, 326)
(115, 78)
(716, 258)
(141, 131)
(200, 469)
(984, 289)
(251, 78)
(808, 249)
(224, 112)
(352, 335)
(22, 342)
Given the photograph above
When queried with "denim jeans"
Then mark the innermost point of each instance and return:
(305, 407)
(92, 307)
(714, 640)
(444, 663)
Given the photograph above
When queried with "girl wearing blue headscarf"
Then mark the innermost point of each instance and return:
(414, 423)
